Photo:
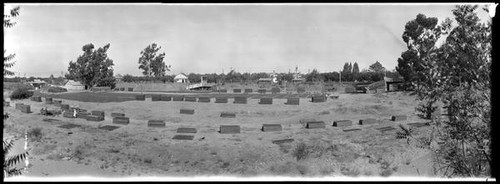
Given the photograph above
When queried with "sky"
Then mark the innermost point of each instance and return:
(202, 38)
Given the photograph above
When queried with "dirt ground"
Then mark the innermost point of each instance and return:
(136, 150)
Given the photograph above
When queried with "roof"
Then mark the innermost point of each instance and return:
(180, 76)
(37, 81)
(73, 83)
(388, 79)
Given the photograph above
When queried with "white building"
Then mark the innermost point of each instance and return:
(181, 78)
(74, 85)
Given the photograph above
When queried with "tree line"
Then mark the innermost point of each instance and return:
(94, 68)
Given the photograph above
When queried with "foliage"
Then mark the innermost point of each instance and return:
(152, 64)
(330, 76)
(314, 76)
(21, 93)
(467, 92)
(355, 68)
(376, 67)
(93, 68)
(194, 78)
(419, 64)
(405, 133)
(458, 74)
(163, 79)
(10, 161)
(234, 76)
(8, 23)
(285, 77)
(7, 63)
(347, 72)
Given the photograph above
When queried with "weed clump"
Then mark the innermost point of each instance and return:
(21, 93)
(35, 134)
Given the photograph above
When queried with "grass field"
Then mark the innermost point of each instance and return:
(138, 150)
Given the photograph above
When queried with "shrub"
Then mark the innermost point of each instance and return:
(35, 134)
(55, 89)
(350, 89)
(301, 151)
(21, 93)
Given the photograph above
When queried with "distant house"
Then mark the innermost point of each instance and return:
(38, 83)
(74, 85)
(118, 78)
(298, 80)
(393, 84)
(181, 78)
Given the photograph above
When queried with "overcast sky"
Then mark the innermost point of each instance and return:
(213, 38)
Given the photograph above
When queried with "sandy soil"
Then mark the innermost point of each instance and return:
(138, 150)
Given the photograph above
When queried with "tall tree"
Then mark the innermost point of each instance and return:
(419, 64)
(347, 72)
(355, 71)
(464, 72)
(93, 67)
(151, 63)
(8, 23)
(355, 68)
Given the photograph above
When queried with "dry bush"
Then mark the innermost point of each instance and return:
(81, 151)
(35, 134)
(350, 171)
(317, 149)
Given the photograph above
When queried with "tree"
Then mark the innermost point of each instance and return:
(376, 67)
(347, 72)
(285, 77)
(330, 76)
(8, 23)
(93, 67)
(419, 64)
(10, 161)
(152, 64)
(420, 36)
(314, 76)
(355, 71)
(194, 78)
(457, 74)
(406, 65)
(466, 87)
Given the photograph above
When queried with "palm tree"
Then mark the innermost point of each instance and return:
(10, 162)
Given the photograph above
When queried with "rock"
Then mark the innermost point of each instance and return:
(66, 158)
